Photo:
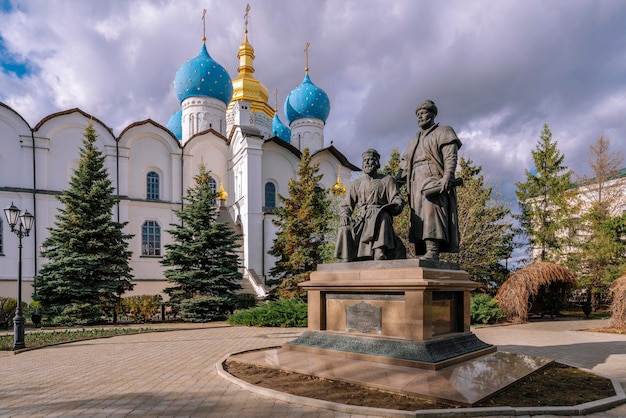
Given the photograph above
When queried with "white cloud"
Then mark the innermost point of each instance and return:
(497, 70)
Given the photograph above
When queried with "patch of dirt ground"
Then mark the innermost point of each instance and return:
(607, 330)
(555, 385)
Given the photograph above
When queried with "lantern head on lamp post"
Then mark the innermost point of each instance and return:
(20, 225)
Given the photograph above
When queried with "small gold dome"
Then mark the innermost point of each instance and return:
(338, 188)
(221, 193)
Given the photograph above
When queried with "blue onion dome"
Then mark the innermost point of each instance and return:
(175, 124)
(203, 76)
(280, 130)
(307, 101)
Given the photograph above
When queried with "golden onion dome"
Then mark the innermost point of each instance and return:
(246, 86)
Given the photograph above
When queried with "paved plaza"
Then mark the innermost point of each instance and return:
(173, 374)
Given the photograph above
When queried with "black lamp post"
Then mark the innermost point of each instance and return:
(22, 230)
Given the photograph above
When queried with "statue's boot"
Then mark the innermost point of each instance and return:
(379, 254)
(432, 251)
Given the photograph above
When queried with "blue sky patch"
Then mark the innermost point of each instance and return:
(5, 6)
(8, 62)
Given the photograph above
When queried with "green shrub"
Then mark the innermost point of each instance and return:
(246, 300)
(278, 313)
(206, 308)
(42, 339)
(141, 308)
(76, 314)
(484, 309)
(8, 305)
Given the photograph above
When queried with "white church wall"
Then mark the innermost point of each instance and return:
(9, 257)
(65, 133)
(148, 268)
(15, 160)
(328, 169)
(279, 165)
(148, 151)
(210, 150)
(269, 235)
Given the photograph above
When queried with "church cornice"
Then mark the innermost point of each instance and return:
(339, 156)
(6, 106)
(69, 112)
(207, 131)
(149, 122)
(295, 151)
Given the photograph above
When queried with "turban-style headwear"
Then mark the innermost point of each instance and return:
(428, 105)
(371, 152)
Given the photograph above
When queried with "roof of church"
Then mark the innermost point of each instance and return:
(175, 124)
(280, 130)
(339, 156)
(307, 101)
(205, 77)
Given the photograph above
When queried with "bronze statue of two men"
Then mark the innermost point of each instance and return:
(428, 167)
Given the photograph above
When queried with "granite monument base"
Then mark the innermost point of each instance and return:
(405, 312)
(464, 383)
(401, 326)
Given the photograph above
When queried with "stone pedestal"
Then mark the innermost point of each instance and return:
(404, 312)
(401, 326)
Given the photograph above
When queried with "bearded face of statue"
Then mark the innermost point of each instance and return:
(370, 165)
(425, 118)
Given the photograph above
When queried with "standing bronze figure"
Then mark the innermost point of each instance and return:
(428, 168)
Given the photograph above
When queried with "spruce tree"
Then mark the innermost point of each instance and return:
(303, 220)
(485, 226)
(204, 257)
(545, 199)
(88, 255)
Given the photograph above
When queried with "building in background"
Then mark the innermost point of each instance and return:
(225, 123)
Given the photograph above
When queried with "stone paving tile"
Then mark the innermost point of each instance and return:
(159, 374)
(172, 374)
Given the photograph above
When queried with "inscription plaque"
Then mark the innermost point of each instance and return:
(364, 318)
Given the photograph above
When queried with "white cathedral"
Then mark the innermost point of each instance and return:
(225, 124)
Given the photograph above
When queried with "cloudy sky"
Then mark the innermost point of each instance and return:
(498, 70)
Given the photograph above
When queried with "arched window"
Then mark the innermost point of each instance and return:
(150, 238)
(270, 195)
(212, 184)
(213, 187)
(152, 185)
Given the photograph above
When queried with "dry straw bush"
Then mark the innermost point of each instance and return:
(516, 292)
(618, 306)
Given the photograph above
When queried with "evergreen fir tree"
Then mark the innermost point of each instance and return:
(204, 257)
(88, 266)
(545, 200)
(303, 221)
(485, 226)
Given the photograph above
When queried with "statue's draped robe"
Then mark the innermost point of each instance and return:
(428, 157)
(375, 199)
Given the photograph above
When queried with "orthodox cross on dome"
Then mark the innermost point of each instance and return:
(204, 25)
(275, 100)
(245, 17)
(306, 57)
